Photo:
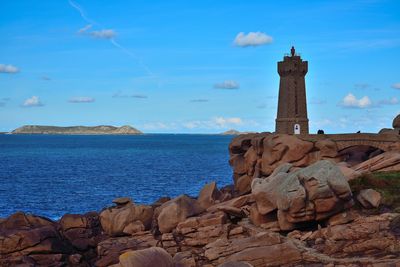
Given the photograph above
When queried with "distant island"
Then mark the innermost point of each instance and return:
(84, 130)
(233, 132)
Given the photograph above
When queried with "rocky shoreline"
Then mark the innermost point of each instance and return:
(320, 227)
(309, 215)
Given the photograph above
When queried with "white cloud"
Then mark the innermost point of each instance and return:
(8, 69)
(222, 122)
(108, 34)
(322, 122)
(200, 100)
(139, 96)
(214, 123)
(33, 101)
(192, 124)
(85, 29)
(104, 34)
(81, 99)
(119, 94)
(362, 85)
(350, 101)
(158, 126)
(396, 86)
(229, 84)
(390, 101)
(252, 39)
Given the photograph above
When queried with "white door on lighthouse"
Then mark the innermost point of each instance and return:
(297, 128)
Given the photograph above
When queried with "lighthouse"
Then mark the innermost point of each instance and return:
(292, 106)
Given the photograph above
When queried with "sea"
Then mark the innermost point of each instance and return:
(50, 175)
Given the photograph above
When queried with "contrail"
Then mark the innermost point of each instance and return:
(81, 11)
(112, 40)
(134, 56)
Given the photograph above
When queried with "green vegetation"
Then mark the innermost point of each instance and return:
(386, 183)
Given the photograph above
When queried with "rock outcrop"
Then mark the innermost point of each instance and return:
(369, 198)
(396, 122)
(396, 127)
(154, 256)
(209, 195)
(388, 161)
(310, 194)
(83, 232)
(175, 211)
(258, 155)
(126, 218)
(223, 235)
(29, 240)
(290, 208)
(233, 132)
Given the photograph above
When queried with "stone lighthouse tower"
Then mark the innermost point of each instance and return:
(292, 107)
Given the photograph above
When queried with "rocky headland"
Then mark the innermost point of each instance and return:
(295, 201)
(233, 132)
(79, 130)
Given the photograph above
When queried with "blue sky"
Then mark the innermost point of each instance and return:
(196, 66)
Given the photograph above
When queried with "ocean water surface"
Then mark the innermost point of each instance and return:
(51, 175)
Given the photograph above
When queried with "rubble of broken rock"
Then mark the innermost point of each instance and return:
(293, 217)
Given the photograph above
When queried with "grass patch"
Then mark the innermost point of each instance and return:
(386, 183)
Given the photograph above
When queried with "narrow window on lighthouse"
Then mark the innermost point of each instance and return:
(296, 129)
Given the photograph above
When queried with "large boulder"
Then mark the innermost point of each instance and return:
(348, 172)
(149, 257)
(369, 198)
(209, 195)
(327, 148)
(388, 131)
(125, 218)
(369, 236)
(283, 148)
(238, 164)
(313, 193)
(258, 155)
(388, 161)
(31, 240)
(396, 122)
(82, 231)
(20, 220)
(235, 264)
(175, 211)
(263, 249)
(242, 184)
(109, 250)
(241, 143)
